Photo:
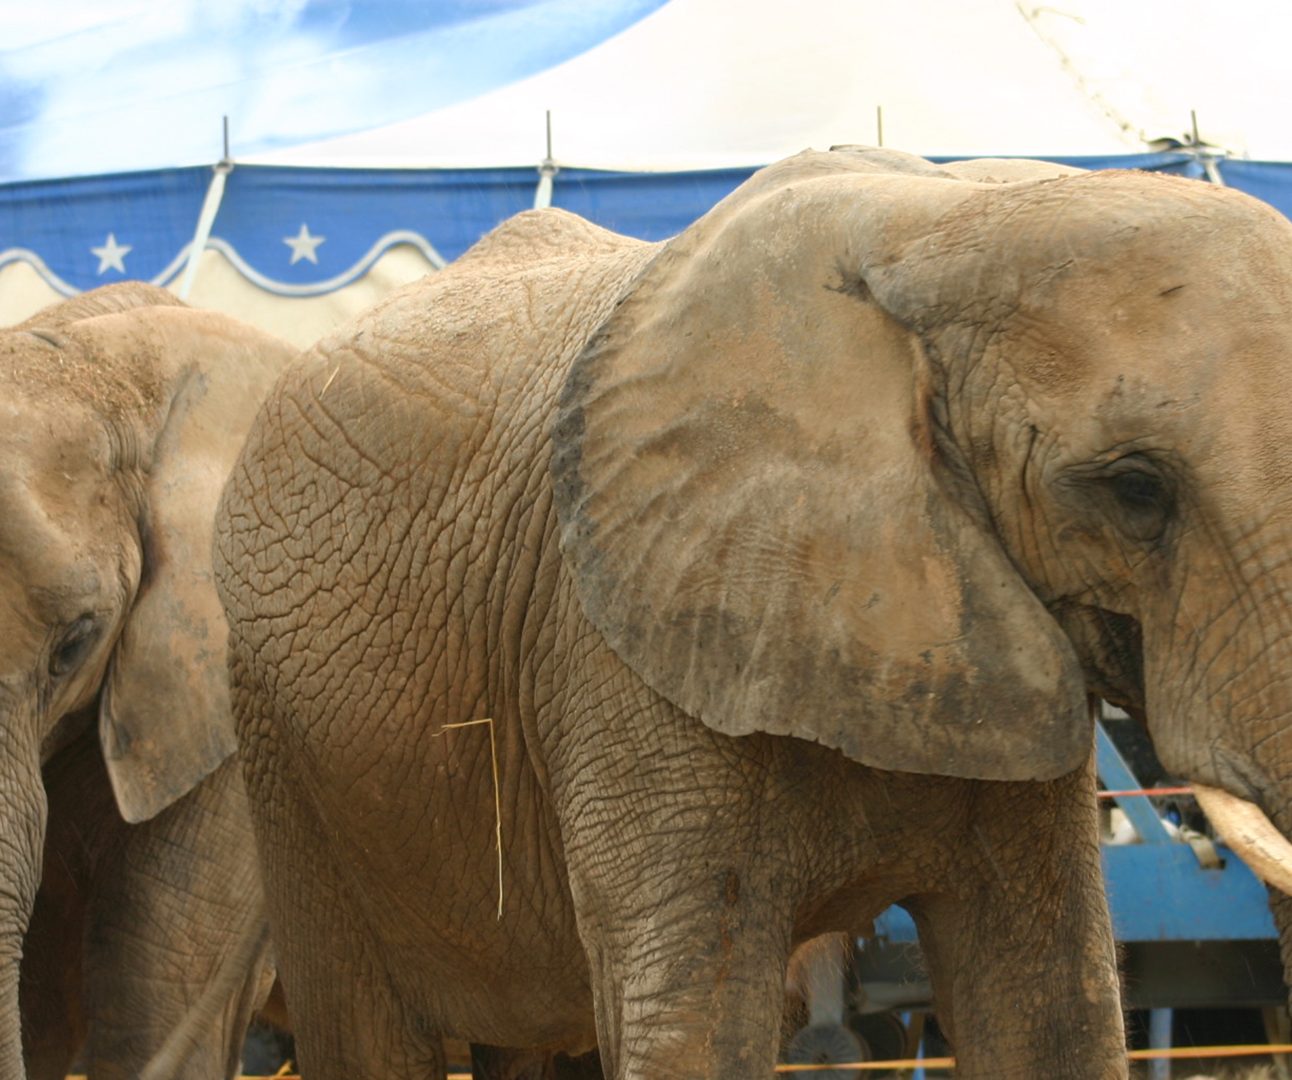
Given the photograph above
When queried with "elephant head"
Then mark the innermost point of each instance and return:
(883, 456)
(122, 413)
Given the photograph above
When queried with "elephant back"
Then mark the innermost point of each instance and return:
(407, 439)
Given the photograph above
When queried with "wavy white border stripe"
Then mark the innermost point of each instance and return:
(280, 288)
(13, 255)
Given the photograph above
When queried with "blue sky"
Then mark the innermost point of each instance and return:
(91, 86)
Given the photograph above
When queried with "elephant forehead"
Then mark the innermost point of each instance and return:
(59, 548)
(1117, 211)
(1099, 240)
(1181, 319)
(50, 434)
(61, 521)
(1207, 393)
(105, 369)
(54, 474)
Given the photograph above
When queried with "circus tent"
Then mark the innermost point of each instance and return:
(370, 142)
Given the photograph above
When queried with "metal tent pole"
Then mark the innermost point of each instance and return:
(1205, 157)
(546, 171)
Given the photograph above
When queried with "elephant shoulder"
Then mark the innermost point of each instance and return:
(437, 369)
(1008, 170)
(537, 235)
(513, 310)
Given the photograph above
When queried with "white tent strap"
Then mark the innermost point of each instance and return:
(543, 194)
(1212, 169)
(205, 221)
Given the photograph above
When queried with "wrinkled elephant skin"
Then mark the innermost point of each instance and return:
(781, 559)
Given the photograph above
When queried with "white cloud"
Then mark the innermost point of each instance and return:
(25, 26)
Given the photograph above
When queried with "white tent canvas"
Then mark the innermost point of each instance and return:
(711, 83)
(116, 86)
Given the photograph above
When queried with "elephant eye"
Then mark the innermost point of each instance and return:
(1143, 503)
(1139, 490)
(73, 645)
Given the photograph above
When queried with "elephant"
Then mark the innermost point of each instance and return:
(131, 912)
(609, 617)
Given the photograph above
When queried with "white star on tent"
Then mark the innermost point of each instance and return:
(112, 254)
(304, 245)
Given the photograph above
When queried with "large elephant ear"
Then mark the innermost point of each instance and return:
(164, 718)
(762, 510)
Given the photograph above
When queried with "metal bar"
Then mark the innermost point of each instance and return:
(1116, 774)
(547, 171)
(1159, 1038)
(1205, 155)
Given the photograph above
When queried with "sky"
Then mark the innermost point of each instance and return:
(89, 86)
(106, 86)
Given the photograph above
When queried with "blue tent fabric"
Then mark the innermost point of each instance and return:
(1268, 180)
(55, 225)
(305, 232)
(650, 206)
(301, 232)
(355, 215)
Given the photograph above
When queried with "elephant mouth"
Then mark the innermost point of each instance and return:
(1251, 835)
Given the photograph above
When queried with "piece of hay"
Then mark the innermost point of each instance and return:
(497, 795)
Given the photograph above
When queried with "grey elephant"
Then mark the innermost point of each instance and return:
(146, 943)
(608, 617)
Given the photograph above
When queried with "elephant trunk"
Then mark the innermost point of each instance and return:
(1217, 695)
(22, 837)
(11, 1055)
(1281, 908)
(1260, 839)
(1251, 835)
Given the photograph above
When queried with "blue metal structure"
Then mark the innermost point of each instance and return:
(1159, 891)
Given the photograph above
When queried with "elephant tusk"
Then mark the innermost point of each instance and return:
(1252, 836)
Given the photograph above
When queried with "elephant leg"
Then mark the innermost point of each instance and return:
(688, 962)
(1019, 949)
(693, 986)
(347, 1019)
(53, 1020)
(176, 949)
(53, 1010)
(684, 910)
